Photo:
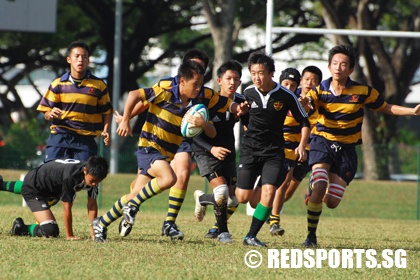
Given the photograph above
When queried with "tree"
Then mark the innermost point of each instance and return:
(389, 65)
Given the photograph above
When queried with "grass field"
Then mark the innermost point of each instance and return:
(373, 215)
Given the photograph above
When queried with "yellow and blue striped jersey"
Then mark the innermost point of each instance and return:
(292, 131)
(83, 105)
(340, 117)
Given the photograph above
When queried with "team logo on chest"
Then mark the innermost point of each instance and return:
(278, 105)
(354, 98)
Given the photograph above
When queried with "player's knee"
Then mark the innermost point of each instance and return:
(334, 195)
(221, 194)
(49, 229)
(232, 201)
(319, 175)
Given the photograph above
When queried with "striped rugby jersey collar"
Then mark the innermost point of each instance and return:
(67, 76)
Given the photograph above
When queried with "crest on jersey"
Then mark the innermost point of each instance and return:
(278, 105)
(354, 98)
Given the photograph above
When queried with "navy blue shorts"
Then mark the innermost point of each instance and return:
(185, 147)
(67, 145)
(301, 169)
(343, 159)
(146, 156)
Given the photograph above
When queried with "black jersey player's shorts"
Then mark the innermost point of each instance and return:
(210, 167)
(343, 159)
(271, 168)
(36, 201)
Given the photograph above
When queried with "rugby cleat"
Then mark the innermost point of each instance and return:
(170, 229)
(310, 241)
(129, 213)
(213, 233)
(253, 241)
(124, 228)
(19, 228)
(224, 237)
(275, 229)
(199, 211)
(99, 231)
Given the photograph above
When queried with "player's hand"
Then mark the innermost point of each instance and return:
(196, 120)
(124, 129)
(107, 138)
(55, 113)
(118, 117)
(301, 151)
(243, 109)
(219, 152)
(73, 238)
(306, 102)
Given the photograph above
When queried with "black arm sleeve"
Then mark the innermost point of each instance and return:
(199, 141)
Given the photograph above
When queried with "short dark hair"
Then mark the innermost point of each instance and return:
(261, 58)
(77, 44)
(97, 167)
(197, 54)
(313, 69)
(290, 74)
(188, 68)
(347, 50)
(231, 64)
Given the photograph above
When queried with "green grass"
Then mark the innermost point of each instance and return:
(373, 215)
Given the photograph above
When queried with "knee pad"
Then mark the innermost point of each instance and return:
(221, 194)
(319, 175)
(337, 191)
(232, 201)
(49, 229)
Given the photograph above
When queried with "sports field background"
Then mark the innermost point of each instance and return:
(373, 215)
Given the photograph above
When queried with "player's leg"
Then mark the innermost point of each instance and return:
(151, 165)
(273, 174)
(46, 225)
(274, 218)
(340, 176)
(181, 164)
(11, 186)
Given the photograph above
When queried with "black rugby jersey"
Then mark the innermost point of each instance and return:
(224, 123)
(58, 179)
(267, 112)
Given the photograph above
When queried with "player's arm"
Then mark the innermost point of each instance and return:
(137, 110)
(305, 131)
(218, 152)
(133, 98)
(68, 221)
(92, 208)
(105, 133)
(197, 121)
(396, 110)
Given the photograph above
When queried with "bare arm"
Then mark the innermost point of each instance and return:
(124, 127)
(397, 110)
(68, 221)
(92, 207)
(105, 132)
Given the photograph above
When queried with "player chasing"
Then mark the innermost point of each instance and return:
(262, 147)
(51, 182)
(216, 157)
(159, 140)
(297, 171)
(340, 102)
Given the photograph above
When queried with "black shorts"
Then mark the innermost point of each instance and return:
(271, 168)
(343, 159)
(37, 202)
(210, 167)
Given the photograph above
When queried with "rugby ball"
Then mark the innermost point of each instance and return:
(186, 128)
